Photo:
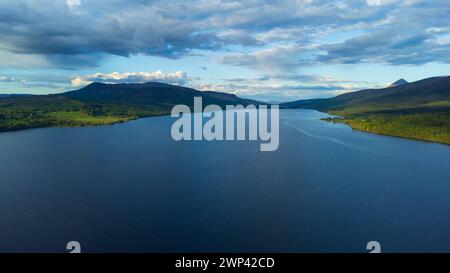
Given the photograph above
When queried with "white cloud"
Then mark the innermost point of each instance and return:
(374, 2)
(278, 90)
(11, 79)
(178, 77)
(380, 2)
(79, 33)
(71, 3)
(271, 60)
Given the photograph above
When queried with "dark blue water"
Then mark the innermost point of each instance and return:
(131, 188)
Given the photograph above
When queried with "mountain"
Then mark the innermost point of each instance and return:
(98, 104)
(399, 82)
(151, 93)
(418, 110)
(421, 93)
(13, 95)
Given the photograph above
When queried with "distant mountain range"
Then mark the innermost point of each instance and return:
(151, 93)
(418, 110)
(145, 94)
(401, 94)
(13, 95)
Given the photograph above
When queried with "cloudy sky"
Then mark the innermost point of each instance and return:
(271, 50)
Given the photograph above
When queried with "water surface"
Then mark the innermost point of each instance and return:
(131, 188)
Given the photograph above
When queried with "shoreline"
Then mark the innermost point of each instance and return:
(340, 120)
(332, 119)
(79, 126)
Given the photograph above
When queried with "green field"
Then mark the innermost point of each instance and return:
(36, 112)
(84, 119)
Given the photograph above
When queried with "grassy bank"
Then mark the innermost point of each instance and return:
(434, 126)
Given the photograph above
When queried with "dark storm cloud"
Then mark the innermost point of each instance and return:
(164, 28)
(80, 35)
(276, 33)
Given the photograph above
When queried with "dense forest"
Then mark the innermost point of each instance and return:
(48, 111)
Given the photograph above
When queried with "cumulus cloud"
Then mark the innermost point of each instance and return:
(277, 89)
(75, 33)
(178, 77)
(11, 79)
(279, 92)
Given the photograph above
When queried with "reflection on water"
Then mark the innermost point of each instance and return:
(131, 188)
